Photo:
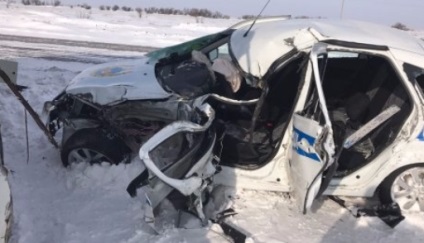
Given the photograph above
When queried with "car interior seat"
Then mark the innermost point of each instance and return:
(356, 108)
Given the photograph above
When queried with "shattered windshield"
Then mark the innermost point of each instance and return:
(186, 47)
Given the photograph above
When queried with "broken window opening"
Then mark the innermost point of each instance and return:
(359, 87)
(239, 149)
(415, 75)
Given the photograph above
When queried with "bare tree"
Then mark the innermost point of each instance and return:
(126, 9)
(8, 2)
(400, 26)
(139, 11)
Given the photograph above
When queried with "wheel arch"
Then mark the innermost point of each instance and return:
(367, 181)
(397, 171)
(407, 202)
(98, 139)
(76, 125)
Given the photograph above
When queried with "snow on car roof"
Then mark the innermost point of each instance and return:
(268, 41)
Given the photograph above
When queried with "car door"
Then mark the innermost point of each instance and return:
(313, 147)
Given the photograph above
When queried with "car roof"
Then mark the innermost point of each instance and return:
(269, 40)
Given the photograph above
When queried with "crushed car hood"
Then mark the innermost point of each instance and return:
(116, 82)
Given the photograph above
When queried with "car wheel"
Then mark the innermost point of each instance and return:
(406, 188)
(93, 146)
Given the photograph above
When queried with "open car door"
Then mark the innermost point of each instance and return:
(313, 149)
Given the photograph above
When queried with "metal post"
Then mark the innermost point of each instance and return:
(342, 9)
(27, 106)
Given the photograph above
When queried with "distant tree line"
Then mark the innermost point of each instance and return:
(84, 6)
(195, 12)
(248, 16)
(41, 3)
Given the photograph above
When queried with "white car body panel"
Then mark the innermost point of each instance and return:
(365, 181)
(263, 45)
(113, 82)
(272, 177)
(256, 52)
(408, 57)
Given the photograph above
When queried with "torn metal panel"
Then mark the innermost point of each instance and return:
(188, 185)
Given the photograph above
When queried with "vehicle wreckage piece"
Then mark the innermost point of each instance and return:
(191, 184)
(194, 182)
(390, 214)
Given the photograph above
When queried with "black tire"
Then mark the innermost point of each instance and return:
(94, 139)
(386, 186)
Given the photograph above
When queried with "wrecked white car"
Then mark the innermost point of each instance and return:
(308, 107)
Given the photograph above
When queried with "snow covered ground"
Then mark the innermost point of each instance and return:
(104, 26)
(90, 204)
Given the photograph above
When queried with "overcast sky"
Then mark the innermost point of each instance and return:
(409, 12)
